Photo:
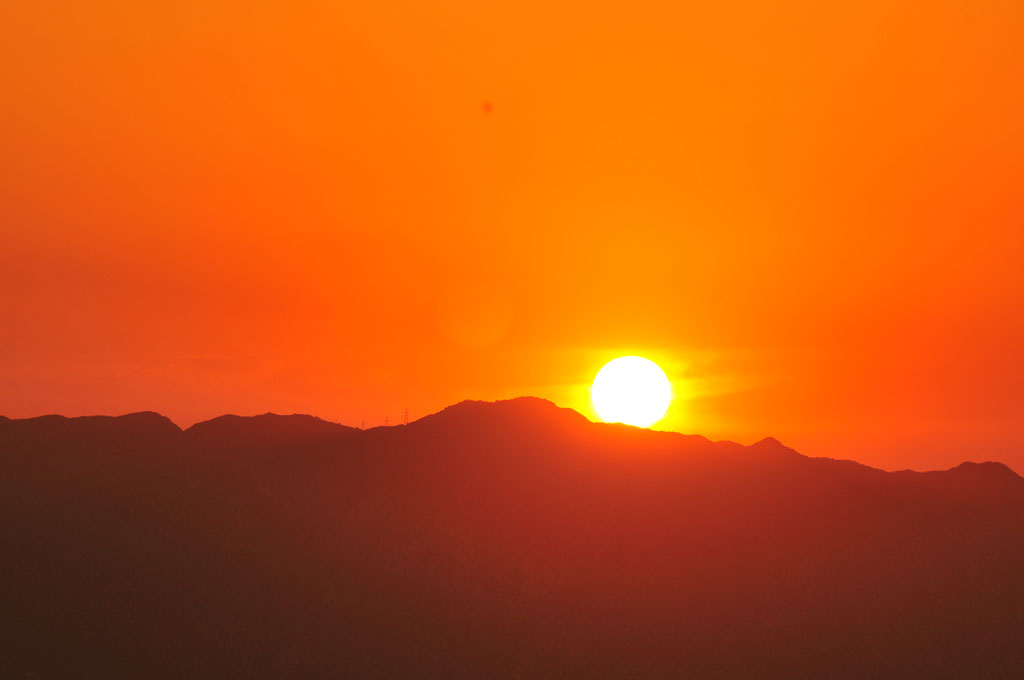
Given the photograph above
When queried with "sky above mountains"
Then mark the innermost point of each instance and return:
(807, 214)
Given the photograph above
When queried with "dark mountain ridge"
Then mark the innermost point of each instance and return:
(509, 539)
(524, 413)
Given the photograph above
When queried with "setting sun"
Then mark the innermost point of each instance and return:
(631, 390)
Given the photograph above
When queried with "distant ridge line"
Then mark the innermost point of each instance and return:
(522, 408)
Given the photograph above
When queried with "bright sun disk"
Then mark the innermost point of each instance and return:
(631, 390)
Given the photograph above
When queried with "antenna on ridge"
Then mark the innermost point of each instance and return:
(385, 421)
(406, 415)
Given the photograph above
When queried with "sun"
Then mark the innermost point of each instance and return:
(631, 390)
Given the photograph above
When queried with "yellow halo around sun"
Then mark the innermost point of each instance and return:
(631, 390)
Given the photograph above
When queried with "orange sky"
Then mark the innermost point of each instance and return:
(809, 213)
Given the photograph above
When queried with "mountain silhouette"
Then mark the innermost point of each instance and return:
(512, 539)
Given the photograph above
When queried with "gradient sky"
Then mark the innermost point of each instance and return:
(809, 213)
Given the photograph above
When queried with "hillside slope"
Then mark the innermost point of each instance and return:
(504, 540)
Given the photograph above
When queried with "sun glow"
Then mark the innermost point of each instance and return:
(631, 390)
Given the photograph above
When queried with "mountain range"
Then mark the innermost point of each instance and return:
(512, 539)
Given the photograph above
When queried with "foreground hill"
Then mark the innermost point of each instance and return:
(506, 540)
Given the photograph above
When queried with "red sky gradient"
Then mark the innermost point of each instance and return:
(808, 213)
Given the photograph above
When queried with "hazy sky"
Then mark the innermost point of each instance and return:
(809, 213)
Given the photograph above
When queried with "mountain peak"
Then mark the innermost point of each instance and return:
(773, 445)
(148, 418)
(141, 423)
(266, 429)
(989, 470)
(517, 412)
(514, 403)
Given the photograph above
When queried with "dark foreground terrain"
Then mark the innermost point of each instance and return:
(508, 540)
